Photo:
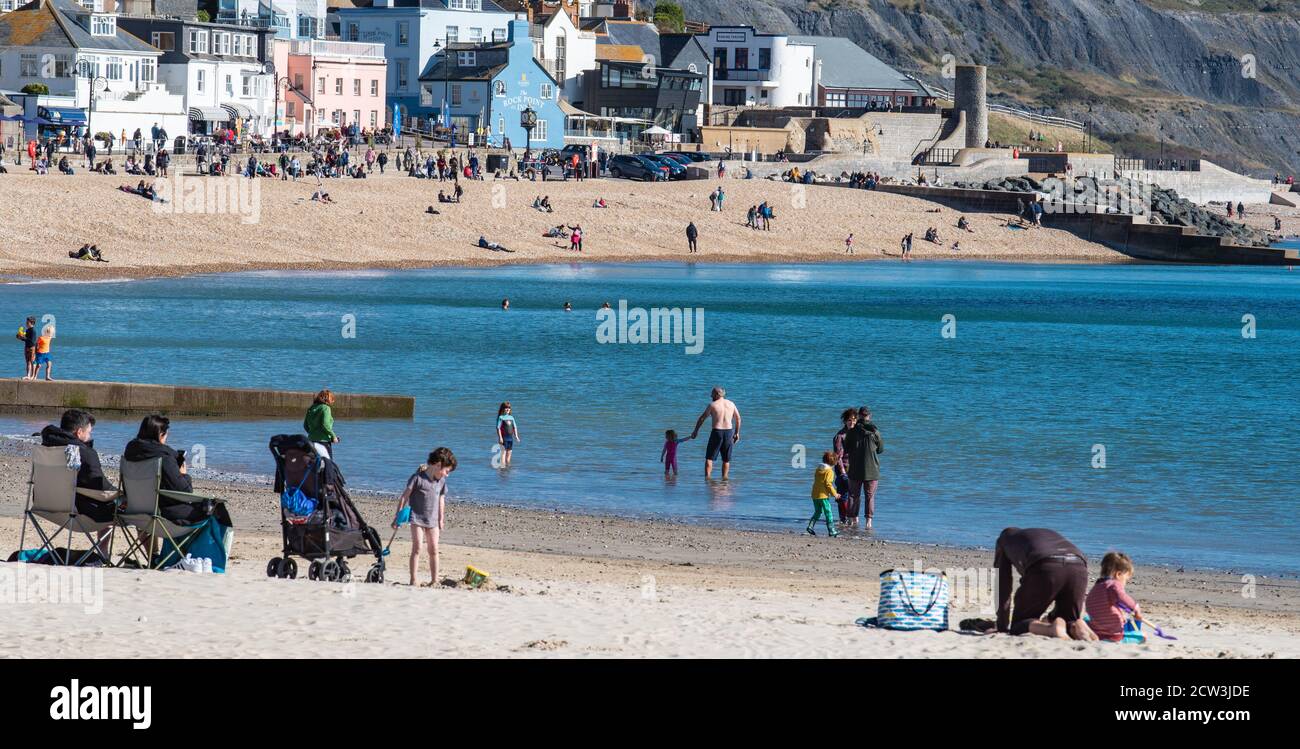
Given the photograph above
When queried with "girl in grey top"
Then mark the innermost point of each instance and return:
(426, 493)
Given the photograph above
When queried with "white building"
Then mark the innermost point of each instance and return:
(72, 51)
(760, 70)
(289, 19)
(564, 50)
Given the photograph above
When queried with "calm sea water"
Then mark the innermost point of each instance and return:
(1000, 425)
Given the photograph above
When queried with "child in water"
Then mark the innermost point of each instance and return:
(668, 456)
(1107, 601)
(823, 491)
(507, 432)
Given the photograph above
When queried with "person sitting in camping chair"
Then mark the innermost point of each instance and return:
(173, 478)
(96, 498)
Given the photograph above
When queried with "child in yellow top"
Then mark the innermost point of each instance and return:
(823, 491)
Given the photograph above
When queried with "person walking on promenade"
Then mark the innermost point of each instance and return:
(319, 423)
(725, 432)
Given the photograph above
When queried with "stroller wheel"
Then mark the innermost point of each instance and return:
(273, 567)
(330, 572)
(313, 571)
(345, 572)
(290, 569)
(375, 575)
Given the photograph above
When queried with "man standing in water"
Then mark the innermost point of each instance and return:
(725, 432)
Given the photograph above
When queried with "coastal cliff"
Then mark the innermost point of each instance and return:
(1212, 78)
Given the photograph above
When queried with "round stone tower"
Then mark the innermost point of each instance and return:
(971, 94)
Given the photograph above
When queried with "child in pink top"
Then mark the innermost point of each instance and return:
(1104, 602)
(669, 454)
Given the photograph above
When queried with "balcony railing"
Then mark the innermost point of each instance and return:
(328, 48)
(745, 74)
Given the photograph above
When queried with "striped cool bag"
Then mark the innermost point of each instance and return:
(912, 600)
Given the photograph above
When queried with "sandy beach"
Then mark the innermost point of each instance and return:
(233, 224)
(566, 585)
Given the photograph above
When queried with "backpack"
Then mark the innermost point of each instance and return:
(293, 501)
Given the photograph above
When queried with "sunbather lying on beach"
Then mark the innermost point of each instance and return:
(482, 242)
(87, 252)
(320, 196)
(143, 190)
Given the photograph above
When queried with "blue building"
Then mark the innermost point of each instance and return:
(484, 89)
(413, 32)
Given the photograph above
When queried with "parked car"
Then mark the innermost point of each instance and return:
(632, 166)
(694, 156)
(677, 156)
(675, 169)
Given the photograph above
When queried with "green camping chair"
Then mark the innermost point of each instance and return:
(141, 482)
(52, 498)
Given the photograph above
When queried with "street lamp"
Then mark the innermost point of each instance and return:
(86, 70)
(444, 108)
(276, 82)
(528, 121)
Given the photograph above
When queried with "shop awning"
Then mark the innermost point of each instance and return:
(65, 115)
(238, 111)
(208, 114)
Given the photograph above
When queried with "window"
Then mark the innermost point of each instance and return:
(403, 33)
(546, 92)
(103, 25)
(453, 34)
(374, 87)
(200, 79)
(499, 88)
(306, 27)
(230, 85)
(764, 59)
(426, 96)
(465, 4)
(335, 116)
(198, 41)
(455, 94)
(320, 115)
(248, 85)
(63, 66)
(297, 81)
(499, 35)
(148, 70)
(290, 108)
(220, 43)
(539, 132)
(338, 86)
(501, 125)
(356, 86)
(401, 74)
(28, 66)
(356, 116)
(320, 85)
(475, 35)
(354, 34)
(164, 40)
(244, 45)
(113, 71)
(374, 118)
(466, 59)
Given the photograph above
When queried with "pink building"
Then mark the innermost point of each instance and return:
(331, 84)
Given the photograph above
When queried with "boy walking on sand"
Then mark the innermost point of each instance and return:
(823, 491)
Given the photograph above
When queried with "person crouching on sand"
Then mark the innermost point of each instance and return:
(823, 491)
(426, 493)
(1107, 601)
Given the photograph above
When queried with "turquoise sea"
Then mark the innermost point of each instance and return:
(1002, 424)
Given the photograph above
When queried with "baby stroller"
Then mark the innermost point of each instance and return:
(318, 520)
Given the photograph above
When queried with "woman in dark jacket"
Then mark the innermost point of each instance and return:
(151, 442)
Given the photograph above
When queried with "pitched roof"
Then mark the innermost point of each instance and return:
(630, 33)
(846, 65)
(619, 53)
(57, 23)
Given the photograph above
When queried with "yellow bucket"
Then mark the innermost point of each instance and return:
(474, 577)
